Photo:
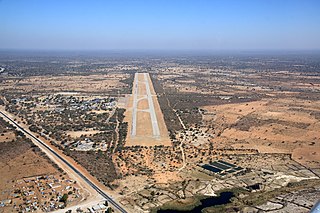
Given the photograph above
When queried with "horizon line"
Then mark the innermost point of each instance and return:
(157, 50)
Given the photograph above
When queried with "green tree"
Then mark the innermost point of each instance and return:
(64, 198)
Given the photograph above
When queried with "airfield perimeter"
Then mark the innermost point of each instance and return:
(146, 123)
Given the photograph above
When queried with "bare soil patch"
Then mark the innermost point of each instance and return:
(275, 126)
(76, 134)
(7, 136)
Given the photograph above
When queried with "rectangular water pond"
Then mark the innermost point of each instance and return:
(226, 163)
(220, 166)
(211, 168)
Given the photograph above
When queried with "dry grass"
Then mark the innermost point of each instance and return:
(85, 83)
(270, 126)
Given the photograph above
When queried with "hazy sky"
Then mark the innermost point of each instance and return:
(160, 24)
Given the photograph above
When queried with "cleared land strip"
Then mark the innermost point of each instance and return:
(147, 95)
(59, 159)
(145, 116)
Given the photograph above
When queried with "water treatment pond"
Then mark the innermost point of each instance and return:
(224, 198)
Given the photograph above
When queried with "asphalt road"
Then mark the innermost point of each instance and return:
(154, 121)
(95, 187)
(135, 105)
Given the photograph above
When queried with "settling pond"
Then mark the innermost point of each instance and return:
(224, 198)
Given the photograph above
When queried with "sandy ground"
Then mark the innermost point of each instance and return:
(166, 177)
(8, 136)
(143, 104)
(143, 118)
(307, 155)
(66, 84)
(76, 134)
(144, 135)
(290, 130)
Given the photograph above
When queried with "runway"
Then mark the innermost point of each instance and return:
(138, 97)
(135, 106)
(145, 115)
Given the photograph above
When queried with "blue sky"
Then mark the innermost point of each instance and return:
(160, 24)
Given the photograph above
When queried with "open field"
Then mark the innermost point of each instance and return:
(147, 127)
(6, 137)
(74, 84)
(77, 134)
(270, 126)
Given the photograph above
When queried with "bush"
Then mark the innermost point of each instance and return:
(64, 198)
